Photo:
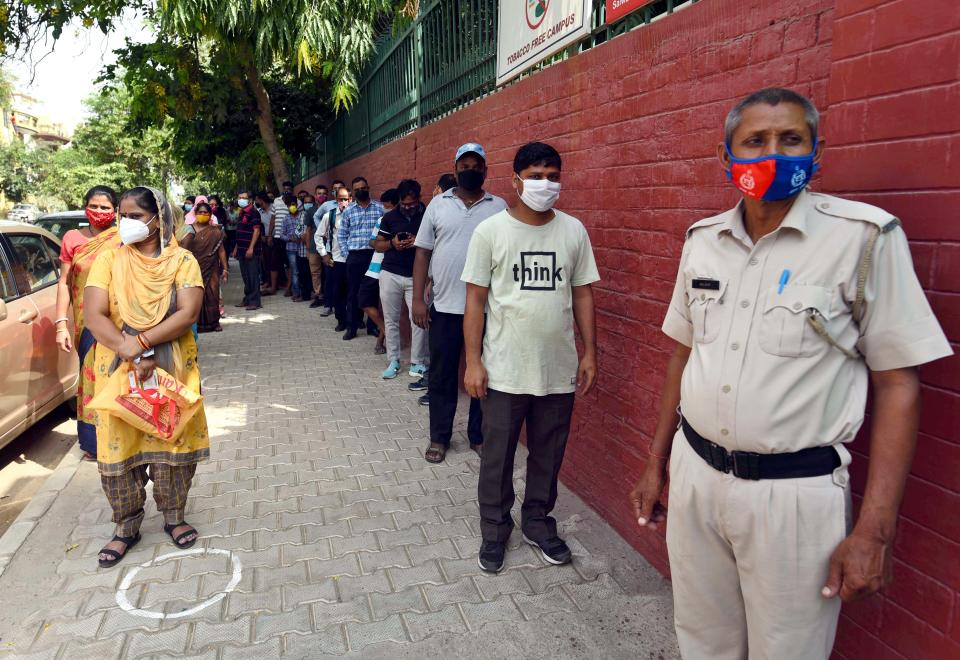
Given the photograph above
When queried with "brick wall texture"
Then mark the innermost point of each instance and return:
(637, 121)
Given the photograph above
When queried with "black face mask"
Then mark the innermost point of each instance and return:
(470, 180)
(362, 196)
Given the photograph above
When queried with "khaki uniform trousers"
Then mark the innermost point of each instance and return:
(748, 560)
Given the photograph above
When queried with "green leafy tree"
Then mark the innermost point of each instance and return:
(21, 169)
(332, 38)
(105, 152)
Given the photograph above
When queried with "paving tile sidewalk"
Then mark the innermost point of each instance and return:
(338, 538)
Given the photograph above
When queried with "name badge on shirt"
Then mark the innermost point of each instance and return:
(712, 285)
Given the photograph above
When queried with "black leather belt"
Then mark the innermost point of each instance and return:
(813, 462)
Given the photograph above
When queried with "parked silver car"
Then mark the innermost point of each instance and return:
(24, 213)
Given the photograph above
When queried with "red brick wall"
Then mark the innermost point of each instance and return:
(637, 121)
(894, 131)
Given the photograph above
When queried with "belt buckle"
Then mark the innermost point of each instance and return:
(719, 457)
(745, 465)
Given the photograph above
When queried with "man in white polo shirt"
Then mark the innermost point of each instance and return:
(442, 241)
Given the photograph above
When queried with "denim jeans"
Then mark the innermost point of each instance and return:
(294, 273)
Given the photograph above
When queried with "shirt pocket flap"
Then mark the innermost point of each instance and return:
(702, 296)
(800, 298)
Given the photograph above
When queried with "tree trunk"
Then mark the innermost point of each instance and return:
(268, 133)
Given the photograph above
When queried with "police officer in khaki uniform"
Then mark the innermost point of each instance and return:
(784, 307)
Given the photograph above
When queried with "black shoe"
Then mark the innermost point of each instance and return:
(424, 400)
(316, 303)
(491, 556)
(553, 550)
(327, 312)
(418, 386)
(350, 334)
(341, 326)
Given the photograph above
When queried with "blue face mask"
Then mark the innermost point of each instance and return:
(772, 178)
(187, 207)
(242, 203)
(307, 205)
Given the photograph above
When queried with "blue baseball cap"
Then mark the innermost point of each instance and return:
(471, 148)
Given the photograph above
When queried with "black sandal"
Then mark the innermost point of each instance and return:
(177, 541)
(434, 455)
(130, 541)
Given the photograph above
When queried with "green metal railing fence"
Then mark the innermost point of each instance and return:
(444, 60)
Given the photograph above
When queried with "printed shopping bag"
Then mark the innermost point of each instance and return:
(162, 411)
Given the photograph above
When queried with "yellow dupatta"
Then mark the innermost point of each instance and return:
(80, 267)
(144, 285)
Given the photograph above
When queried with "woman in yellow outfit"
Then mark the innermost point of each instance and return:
(141, 301)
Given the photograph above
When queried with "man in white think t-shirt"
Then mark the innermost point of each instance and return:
(530, 268)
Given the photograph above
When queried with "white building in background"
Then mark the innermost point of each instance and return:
(24, 120)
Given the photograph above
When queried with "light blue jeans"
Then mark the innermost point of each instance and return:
(294, 273)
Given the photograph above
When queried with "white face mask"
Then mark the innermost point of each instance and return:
(133, 231)
(540, 194)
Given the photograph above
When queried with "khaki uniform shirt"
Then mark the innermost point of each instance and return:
(759, 377)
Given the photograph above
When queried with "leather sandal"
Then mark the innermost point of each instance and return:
(434, 455)
(177, 540)
(130, 541)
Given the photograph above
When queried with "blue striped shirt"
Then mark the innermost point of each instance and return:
(357, 225)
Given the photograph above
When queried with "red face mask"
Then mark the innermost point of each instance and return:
(100, 219)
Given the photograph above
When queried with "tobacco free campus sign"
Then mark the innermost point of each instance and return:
(532, 30)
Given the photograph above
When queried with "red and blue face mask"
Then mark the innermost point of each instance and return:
(771, 178)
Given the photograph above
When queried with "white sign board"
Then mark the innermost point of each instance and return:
(532, 30)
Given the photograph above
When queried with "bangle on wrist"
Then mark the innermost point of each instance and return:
(63, 319)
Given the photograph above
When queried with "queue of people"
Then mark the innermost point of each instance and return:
(783, 308)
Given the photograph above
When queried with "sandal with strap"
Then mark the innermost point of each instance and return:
(130, 541)
(177, 540)
(434, 455)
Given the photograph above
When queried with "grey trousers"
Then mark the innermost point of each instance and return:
(548, 425)
(394, 291)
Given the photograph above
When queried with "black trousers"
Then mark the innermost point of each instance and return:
(250, 272)
(335, 291)
(230, 241)
(358, 261)
(446, 345)
(548, 425)
(278, 256)
(304, 278)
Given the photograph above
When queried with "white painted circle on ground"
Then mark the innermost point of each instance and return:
(127, 606)
(206, 382)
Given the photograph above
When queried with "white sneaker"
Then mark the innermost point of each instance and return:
(417, 370)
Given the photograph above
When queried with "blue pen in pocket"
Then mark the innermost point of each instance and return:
(784, 278)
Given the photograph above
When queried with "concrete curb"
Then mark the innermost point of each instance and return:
(40, 503)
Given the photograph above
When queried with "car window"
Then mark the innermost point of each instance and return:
(54, 251)
(33, 268)
(8, 290)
